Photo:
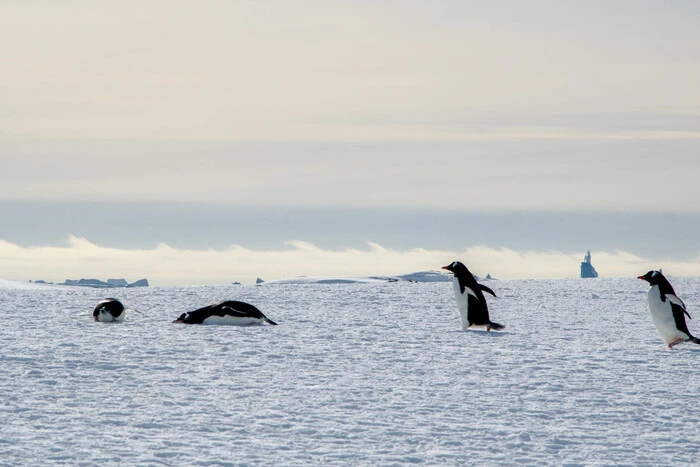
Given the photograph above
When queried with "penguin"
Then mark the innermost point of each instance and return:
(667, 310)
(230, 312)
(471, 302)
(109, 310)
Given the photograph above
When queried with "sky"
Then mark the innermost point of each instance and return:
(207, 142)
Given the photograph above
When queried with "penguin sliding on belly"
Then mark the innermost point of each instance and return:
(230, 312)
(667, 310)
(109, 310)
(471, 302)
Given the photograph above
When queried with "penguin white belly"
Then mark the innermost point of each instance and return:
(662, 316)
(462, 302)
(106, 317)
(232, 320)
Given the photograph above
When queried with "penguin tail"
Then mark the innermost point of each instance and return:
(694, 340)
(497, 327)
(269, 321)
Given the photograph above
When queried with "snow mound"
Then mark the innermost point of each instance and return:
(423, 276)
(427, 276)
(332, 280)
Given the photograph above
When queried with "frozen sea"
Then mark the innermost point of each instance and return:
(355, 374)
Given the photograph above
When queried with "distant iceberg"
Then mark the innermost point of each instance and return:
(587, 269)
(98, 284)
(139, 283)
(423, 276)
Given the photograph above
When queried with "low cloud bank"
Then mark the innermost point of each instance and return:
(165, 266)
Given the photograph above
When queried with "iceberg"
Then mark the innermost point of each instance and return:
(139, 283)
(587, 269)
(110, 283)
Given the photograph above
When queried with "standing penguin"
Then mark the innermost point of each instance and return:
(109, 310)
(471, 302)
(667, 310)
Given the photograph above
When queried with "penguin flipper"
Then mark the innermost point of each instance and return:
(675, 300)
(678, 317)
(486, 289)
(227, 310)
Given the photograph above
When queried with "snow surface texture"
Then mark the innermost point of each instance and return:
(355, 374)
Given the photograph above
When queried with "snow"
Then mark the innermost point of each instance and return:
(355, 374)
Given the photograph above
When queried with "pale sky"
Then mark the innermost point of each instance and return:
(561, 106)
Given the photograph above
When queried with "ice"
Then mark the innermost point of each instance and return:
(587, 269)
(355, 374)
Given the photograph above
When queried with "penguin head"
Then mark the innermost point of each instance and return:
(653, 277)
(456, 268)
(182, 318)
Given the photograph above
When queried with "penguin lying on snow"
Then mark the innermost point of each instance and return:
(109, 310)
(667, 310)
(231, 312)
(471, 302)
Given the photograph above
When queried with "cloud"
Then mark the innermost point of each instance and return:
(166, 266)
(310, 70)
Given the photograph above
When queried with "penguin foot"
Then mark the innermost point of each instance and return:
(674, 343)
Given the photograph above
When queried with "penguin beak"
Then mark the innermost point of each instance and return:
(178, 321)
(447, 267)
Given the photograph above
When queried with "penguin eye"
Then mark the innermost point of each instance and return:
(454, 265)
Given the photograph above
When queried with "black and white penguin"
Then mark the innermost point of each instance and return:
(471, 302)
(667, 310)
(230, 312)
(109, 310)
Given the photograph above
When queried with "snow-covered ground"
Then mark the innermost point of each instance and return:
(355, 374)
